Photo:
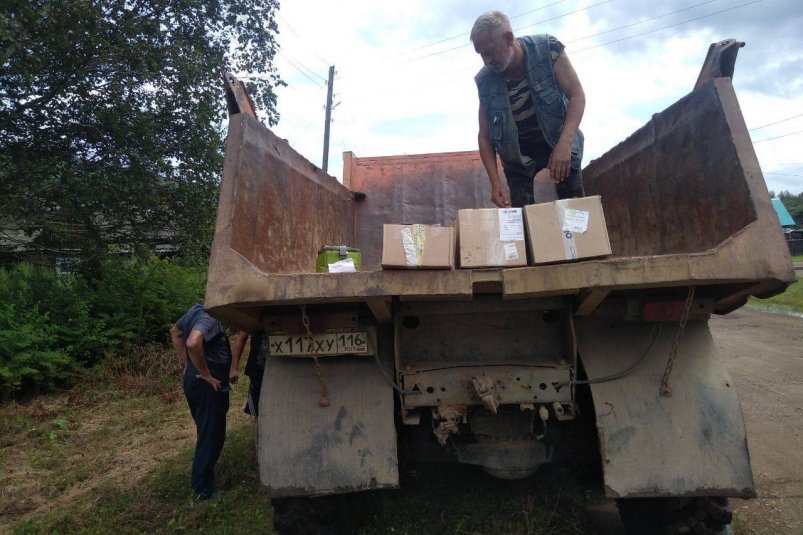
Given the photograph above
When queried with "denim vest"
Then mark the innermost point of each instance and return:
(550, 106)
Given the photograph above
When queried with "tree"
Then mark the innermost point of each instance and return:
(111, 114)
(793, 203)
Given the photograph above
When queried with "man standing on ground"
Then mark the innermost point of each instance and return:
(254, 368)
(531, 104)
(203, 347)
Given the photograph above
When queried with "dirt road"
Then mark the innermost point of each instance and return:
(764, 354)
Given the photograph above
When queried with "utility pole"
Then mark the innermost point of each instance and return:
(325, 164)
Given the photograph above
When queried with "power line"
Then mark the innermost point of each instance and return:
(301, 90)
(666, 27)
(776, 122)
(515, 30)
(561, 16)
(778, 137)
(783, 174)
(439, 75)
(511, 18)
(642, 21)
(296, 67)
(592, 35)
(297, 62)
(303, 40)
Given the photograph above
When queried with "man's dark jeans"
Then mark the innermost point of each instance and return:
(520, 181)
(208, 409)
(521, 187)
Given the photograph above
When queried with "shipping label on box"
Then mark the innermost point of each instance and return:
(491, 237)
(418, 247)
(568, 229)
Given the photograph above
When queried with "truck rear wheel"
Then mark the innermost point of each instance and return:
(676, 516)
(327, 515)
(305, 516)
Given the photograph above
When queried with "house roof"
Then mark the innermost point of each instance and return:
(783, 214)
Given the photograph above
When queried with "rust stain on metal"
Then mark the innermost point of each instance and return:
(420, 188)
(711, 197)
(283, 208)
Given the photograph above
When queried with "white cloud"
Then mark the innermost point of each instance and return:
(396, 97)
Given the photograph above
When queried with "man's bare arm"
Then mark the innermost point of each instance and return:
(500, 194)
(569, 84)
(236, 354)
(177, 337)
(195, 347)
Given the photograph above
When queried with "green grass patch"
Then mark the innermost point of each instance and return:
(162, 501)
(789, 301)
(114, 456)
(461, 499)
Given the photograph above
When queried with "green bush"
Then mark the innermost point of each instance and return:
(32, 355)
(139, 299)
(51, 324)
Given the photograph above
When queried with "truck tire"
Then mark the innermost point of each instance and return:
(676, 516)
(340, 514)
(305, 516)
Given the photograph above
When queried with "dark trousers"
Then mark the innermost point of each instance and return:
(208, 409)
(521, 187)
(520, 182)
(254, 388)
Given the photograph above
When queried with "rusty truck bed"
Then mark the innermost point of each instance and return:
(684, 199)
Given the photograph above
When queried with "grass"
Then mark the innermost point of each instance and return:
(161, 502)
(458, 499)
(789, 301)
(113, 455)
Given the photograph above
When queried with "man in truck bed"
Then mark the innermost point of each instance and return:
(531, 104)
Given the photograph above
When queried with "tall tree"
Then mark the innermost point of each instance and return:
(111, 115)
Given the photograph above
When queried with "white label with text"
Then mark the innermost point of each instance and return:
(511, 224)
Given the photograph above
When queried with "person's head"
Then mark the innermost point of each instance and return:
(493, 40)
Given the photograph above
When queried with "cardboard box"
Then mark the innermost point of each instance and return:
(491, 237)
(567, 229)
(417, 247)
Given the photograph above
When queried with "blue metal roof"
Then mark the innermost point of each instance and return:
(783, 214)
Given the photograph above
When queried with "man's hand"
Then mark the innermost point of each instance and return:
(234, 376)
(214, 383)
(560, 162)
(500, 194)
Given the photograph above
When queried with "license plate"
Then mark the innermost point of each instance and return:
(318, 344)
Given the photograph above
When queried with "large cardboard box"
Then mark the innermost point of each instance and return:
(491, 237)
(567, 229)
(418, 247)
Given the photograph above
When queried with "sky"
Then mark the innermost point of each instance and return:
(404, 71)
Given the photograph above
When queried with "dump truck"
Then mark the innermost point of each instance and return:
(506, 369)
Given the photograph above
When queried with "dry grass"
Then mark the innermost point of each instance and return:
(113, 453)
(118, 424)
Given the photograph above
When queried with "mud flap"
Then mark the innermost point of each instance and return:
(692, 443)
(308, 450)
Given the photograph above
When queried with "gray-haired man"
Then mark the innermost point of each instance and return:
(531, 104)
